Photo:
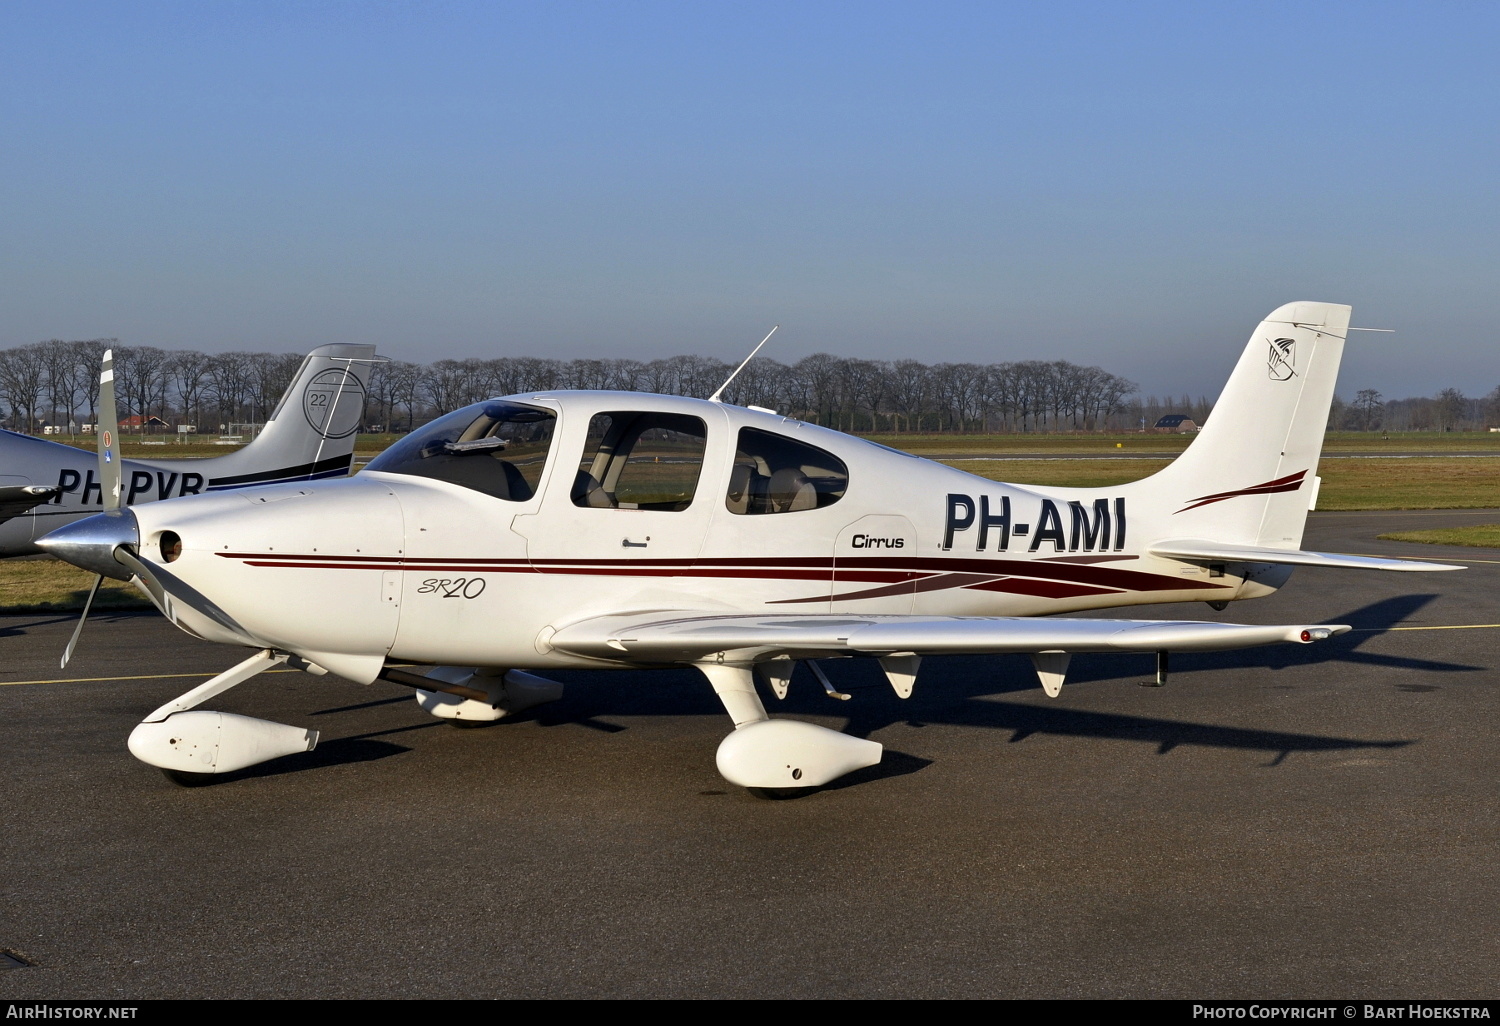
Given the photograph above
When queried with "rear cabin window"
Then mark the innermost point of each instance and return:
(640, 461)
(497, 448)
(775, 474)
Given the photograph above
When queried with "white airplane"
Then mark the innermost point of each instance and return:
(44, 485)
(624, 530)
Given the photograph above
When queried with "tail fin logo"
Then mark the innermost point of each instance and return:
(334, 402)
(1281, 359)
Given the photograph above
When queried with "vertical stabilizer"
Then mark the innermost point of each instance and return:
(311, 434)
(1250, 475)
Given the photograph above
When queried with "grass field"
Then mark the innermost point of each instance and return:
(47, 585)
(1417, 483)
(1479, 535)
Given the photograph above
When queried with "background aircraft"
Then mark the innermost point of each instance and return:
(608, 529)
(310, 435)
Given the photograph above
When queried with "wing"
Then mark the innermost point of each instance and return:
(17, 499)
(776, 641)
(1192, 548)
(685, 637)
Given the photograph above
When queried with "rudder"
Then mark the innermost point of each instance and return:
(1250, 475)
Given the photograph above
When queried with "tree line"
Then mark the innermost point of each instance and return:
(57, 383)
(1449, 410)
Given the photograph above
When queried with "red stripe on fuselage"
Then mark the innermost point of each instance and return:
(867, 569)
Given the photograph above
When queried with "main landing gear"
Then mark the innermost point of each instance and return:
(779, 758)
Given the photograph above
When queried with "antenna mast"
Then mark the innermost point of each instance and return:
(720, 390)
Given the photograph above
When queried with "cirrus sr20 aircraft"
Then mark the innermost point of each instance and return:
(624, 530)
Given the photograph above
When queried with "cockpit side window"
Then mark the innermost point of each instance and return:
(776, 474)
(640, 461)
(497, 448)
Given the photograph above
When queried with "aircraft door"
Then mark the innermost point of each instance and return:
(872, 566)
(776, 523)
(628, 519)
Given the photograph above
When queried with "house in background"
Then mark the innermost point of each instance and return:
(135, 422)
(1174, 424)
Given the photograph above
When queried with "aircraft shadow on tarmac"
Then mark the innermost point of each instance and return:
(341, 751)
(953, 691)
(15, 625)
(1369, 622)
(962, 691)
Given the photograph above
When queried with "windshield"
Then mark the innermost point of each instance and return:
(498, 448)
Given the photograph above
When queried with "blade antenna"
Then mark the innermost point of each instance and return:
(720, 390)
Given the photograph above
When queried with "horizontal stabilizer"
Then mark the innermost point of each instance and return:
(1193, 548)
(17, 499)
(690, 637)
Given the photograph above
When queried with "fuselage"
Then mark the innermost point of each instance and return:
(460, 549)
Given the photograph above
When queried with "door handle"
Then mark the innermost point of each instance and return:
(626, 543)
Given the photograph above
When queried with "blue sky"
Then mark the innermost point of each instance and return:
(1132, 185)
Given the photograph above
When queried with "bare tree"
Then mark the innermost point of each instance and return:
(405, 387)
(187, 371)
(64, 381)
(908, 391)
(1450, 408)
(444, 386)
(23, 379)
(1368, 405)
(140, 382)
(228, 385)
(590, 374)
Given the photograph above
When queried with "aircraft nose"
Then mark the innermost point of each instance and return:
(90, 543)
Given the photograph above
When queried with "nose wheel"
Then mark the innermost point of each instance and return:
(192, 746)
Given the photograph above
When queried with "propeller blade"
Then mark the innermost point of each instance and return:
(73, 641)
(108, 430)
(167, 588)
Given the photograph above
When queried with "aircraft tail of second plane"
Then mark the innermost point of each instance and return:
(311, 433)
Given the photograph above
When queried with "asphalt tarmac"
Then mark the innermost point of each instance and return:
(1300, 821)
